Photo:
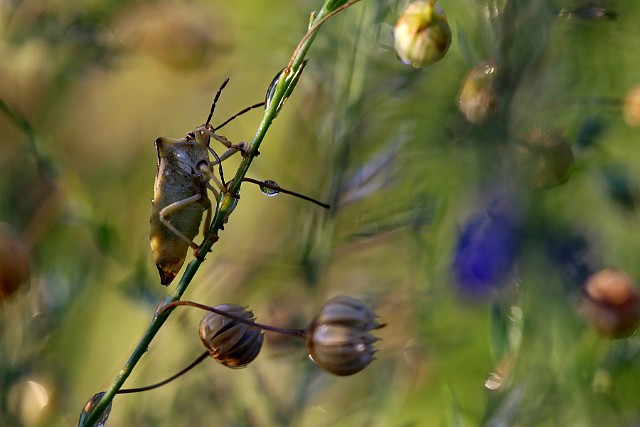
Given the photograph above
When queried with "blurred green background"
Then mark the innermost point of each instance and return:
(86, 88)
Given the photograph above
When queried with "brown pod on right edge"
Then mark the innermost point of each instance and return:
(14, 261)
(233, 343)
(611, 303)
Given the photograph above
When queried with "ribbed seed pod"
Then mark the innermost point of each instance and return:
(338, 340)
(230, 342)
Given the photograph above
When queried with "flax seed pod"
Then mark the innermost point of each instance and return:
(233, 343)
(339, 339)
(612, 303)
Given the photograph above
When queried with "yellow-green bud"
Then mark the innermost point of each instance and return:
(477, 99)
(422, 34)
(545, 157)
(631, 107)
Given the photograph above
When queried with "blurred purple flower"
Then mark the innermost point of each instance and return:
(485, 252)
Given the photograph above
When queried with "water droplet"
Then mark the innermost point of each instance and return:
(271, 90)
(100, 422)
(268, 189)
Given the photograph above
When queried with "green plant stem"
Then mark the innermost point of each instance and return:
(226, 204)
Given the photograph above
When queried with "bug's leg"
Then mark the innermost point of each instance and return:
(207, 224)
(232, 148)
(207, 221)
(174, 207)
(209, 176)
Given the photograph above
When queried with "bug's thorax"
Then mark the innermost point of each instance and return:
(182, 155)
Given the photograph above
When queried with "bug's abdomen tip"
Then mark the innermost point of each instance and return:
(166, 277)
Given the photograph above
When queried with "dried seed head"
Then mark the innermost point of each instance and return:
(612, 303)
(422, 34)
(230, 342)
(338, 340)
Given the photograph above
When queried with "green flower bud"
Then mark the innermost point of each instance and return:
(545, 157)
(338, 340)
(230, 342)
(422, 34)
(477, 99)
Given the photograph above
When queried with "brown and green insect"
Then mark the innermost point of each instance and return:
(180, 198)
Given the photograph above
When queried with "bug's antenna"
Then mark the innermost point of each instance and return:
(259, 104)
(215, 100)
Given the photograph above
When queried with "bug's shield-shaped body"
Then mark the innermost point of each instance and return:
(180, 197)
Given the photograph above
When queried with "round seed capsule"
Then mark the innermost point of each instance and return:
(545, 157)
(612, 303)
(231, 342)
(338, 340)
(422, 34)
(478, 100)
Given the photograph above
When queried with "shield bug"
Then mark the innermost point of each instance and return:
(180, 198)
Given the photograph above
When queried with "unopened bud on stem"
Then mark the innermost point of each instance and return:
(422, 34)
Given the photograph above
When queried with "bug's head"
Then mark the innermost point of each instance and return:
(202, 134)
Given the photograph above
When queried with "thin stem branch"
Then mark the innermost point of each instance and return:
(286, 331)
(312, 31)
(285, 191)
(183, 371)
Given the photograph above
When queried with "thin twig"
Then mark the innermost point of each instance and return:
(287, 331)
(183, 371)
(312, 30)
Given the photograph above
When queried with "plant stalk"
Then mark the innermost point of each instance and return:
(226, 203)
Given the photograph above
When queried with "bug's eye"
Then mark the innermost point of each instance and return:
(191, 135)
